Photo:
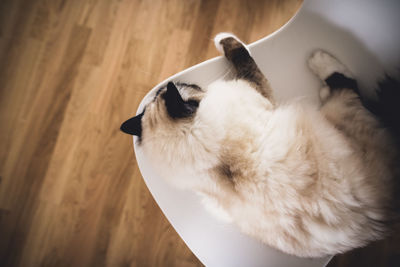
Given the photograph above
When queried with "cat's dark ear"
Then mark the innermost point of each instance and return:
(133, 126)
(176, 106)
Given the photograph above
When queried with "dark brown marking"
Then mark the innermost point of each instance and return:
(177, 107)
(228, 175)
(339, 81)
(225, 170)
(245, 66)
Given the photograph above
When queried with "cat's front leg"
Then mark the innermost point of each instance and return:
(245, 66)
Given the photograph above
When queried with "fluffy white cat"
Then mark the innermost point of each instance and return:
(308, 182)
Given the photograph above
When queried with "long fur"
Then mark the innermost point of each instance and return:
(308, 182)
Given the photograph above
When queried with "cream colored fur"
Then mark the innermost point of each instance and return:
(308, 182)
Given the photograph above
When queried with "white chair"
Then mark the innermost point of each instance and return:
(363, 34)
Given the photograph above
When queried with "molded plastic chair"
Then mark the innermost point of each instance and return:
(363, 34)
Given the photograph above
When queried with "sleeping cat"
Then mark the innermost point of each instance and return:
(308, 182)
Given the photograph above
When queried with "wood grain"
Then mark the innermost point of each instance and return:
(70, 72)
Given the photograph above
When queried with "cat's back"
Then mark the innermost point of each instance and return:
(233, 101)
(235, 115)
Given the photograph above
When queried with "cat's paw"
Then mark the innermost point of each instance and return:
(222, 46)
(324, 65)
(324, 93)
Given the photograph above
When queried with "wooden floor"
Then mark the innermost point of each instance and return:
(70, 72)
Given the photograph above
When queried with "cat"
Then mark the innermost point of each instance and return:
(308, 182)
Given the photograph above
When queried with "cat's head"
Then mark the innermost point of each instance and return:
(164, 130)
(169, 110)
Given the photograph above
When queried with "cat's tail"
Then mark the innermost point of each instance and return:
(387, 108)
(387, 105)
